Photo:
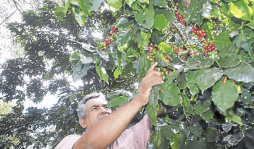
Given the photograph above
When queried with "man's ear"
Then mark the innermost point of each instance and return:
(82, 122)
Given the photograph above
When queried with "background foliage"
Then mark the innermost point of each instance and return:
(204, 49)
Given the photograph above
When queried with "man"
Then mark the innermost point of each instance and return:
(106, 129)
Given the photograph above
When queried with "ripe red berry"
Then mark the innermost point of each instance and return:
(150, 56)
(182, 22)
(204, 34)
(180, 17)
(213, 47)
(205, 53)
(192, 30)
(204, 47)
(204, 41)
(200, 37)
(177, 13)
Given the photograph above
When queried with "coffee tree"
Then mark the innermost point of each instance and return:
(205, 53)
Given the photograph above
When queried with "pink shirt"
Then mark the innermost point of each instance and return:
(135, 137)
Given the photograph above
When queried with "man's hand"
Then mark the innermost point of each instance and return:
(151, 79)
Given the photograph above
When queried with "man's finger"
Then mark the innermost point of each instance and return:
(152, 67)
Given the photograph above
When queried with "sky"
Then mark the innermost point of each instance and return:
(8, 49)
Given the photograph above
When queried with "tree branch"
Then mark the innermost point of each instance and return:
(17, 5)
(8, 17)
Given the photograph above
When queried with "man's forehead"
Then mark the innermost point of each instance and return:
(96, 101)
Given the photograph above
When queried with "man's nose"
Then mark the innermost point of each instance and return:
(105, 110)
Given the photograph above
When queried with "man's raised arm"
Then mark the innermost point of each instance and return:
(105, 131)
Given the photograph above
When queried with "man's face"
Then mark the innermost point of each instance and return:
(96, 109)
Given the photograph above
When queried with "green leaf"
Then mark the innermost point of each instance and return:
(144, 1)
(78, 71)
(241, 73)
(118, 72)
(191, 63)
(165, 48)
(225, 10)
(241, 10)
(224, 95)
(163, 62)
(196, 129)
(201, 107)
(101, 72)
(86, 58)
(130, 2)
(123, 38)
(187, 107)
(79, 16)
(175, 142)
(246, 97)
(222, 41)
(168, 133)
(249, 137)
(245, 39)
(157, 139)
(143, 65)
(83, 7)
(123, 23)
(114, 5)
(67, 5)
(230, 60)
(160, 3)
(145, 18)
(232, 117)
(208, 77)
(210, 134)
(116, 101)
(132, 52)
(199, 19)
(208, 115)
(171, 97)
(195, 7)
(192, 77)
(145, 37)
(160, 22)
(152, 114)
(173, 76)
(184, 129)
(170, 16)
(154, 97)
(250, 24)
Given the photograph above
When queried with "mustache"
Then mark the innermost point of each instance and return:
(103, 115)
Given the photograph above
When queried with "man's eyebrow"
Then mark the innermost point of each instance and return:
(94, 106)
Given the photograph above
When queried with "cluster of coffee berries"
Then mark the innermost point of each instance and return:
(208, 47)
(113, 30)
(103, 45)
(199, 32)
(151, 49)
(179, 17)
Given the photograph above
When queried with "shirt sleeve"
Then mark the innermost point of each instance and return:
(142, 131)
(134, 137)
(68, 142)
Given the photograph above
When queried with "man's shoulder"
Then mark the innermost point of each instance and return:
(68, 142)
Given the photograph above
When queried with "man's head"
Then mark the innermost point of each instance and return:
(91, 109)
